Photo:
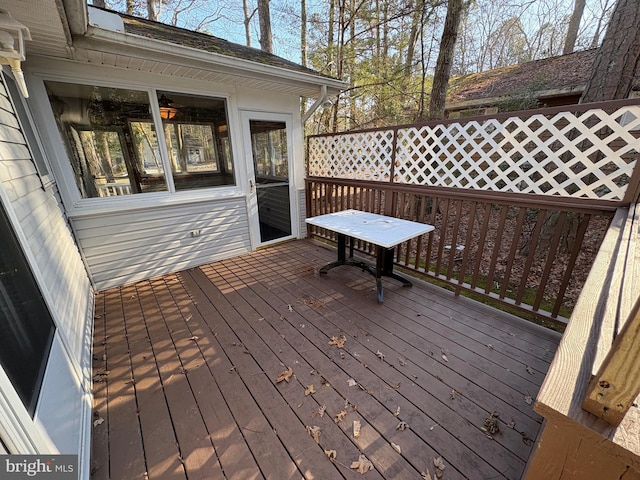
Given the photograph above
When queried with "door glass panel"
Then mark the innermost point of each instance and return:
(271, 167)
(26, 326)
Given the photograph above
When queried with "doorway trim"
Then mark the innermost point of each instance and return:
(250, 181)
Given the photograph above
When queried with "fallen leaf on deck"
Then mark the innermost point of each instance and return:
(98, 421)
(445, 358)
(491, 423)
(338, 341)
(339, 417)
(432, 427)
(351, 382)
(314, 432)
(528, 400)
(489, 346)
(195, 338)
(331, 454)
(426, 475)
(440, 466)
(526, 440)
(397, 412)
(402, 426)
(530, 371)
(356, 428)
(310, 390)
(396, 447)
(285, 376)
(321, 410)
(282, 317)
(380, 355)
(290, 308)
(402, 362)
(362, 465)
(512, 424)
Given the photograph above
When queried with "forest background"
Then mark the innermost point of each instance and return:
(388, 49)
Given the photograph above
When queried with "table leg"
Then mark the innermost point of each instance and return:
(342, 257)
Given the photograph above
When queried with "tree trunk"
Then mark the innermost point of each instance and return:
(266, 39)
(618, 58)
(574, 25)
(445, 58)
(247, 22)
(99, 3)
(151, 10)
(303, 32)
(130, 7)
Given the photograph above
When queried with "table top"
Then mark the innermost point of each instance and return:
(371, 227)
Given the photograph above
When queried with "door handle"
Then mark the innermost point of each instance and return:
(251, 186)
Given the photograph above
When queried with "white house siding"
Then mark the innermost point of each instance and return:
(65, 285)
(125, 247)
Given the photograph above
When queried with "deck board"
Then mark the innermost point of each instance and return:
(193, 358)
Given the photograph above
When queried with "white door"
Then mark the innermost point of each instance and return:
(268, 149)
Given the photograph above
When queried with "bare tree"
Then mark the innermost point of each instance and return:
(152, 14)
(574, 26)
(303, 32)
(266, 39)
(247, 21)
(455, 9)
(618, 58)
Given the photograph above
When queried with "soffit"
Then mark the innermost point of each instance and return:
(46, 22)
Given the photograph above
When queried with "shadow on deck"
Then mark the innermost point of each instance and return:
(186, 365)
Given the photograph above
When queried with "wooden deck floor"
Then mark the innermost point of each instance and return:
(185, 370)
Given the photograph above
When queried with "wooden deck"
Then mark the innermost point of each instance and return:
(185, 370)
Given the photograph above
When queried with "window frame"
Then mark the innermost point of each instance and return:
(78, 206)
(26, 121)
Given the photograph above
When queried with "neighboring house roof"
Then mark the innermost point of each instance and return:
(564, 75)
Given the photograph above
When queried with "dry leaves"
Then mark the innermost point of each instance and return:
(331, 454)
(444, 355)
(530, 371)
(310, 390)
(351, 382)
(356, 428)
(314, 432)
(285, 376)
(338, 341)
(528, 400)
(98, 421)
(439, 464)
(396, 447)
(339, 417)
(402, 426)
(321, 410)
(362, 465)
(426, 475)
(491, 424)
(380, 355)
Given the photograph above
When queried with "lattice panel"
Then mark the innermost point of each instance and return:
(587, 155)
(590, 154)
(358, 156)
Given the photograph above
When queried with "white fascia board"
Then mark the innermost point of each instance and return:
(135, 45)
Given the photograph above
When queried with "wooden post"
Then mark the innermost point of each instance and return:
(614, 389)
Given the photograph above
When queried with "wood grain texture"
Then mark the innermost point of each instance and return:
(206, 345)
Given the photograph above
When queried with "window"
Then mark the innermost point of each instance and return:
(26, 326)
(113, 141)
(195, 129)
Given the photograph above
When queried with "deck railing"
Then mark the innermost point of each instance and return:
(521, 202)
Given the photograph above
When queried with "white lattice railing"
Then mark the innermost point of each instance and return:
(584, 154)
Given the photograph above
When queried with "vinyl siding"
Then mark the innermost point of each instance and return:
(122, 248)
(64, 409)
